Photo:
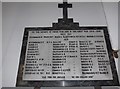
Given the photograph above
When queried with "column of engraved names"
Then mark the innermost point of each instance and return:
(36, 62)
(62, 53)
(86, 61)
(58, 59)
(93, 54)
(31, 66)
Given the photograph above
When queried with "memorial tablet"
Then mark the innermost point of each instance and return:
(67, 55)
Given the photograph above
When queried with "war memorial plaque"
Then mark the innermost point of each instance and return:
(66, 55)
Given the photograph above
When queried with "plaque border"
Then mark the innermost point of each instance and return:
(67, 83)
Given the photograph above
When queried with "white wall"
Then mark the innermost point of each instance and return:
(0, 44)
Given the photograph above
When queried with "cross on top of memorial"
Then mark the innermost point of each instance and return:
(65, 5)
(65, 21)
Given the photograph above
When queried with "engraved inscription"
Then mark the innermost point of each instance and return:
(66, 55)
